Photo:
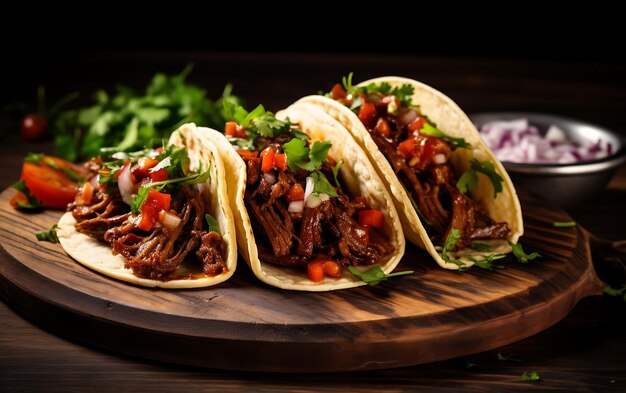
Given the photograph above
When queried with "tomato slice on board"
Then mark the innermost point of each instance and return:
(52, 186)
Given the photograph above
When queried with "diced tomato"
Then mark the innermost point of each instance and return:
(338, 92)
(407, 147)
(280, 162)
(372, 218)
(142, 168)
(51, 186)
(230, 129)
(159, 175)
(416, 124)
(367, 114)
(295, 193)
(382, 127)
(85, 194)
(268, 155)
(315, 270)
(331, 269)
(247, 154)
(154, 203)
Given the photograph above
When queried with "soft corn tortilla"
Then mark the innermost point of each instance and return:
(359, 178)
(454, 122)
(99, 257)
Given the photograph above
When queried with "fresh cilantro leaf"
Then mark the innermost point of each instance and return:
(245, 144)
(139, 199)
(317, 155)
(32, 203)
(268, 125)
(564, 224)
(48, 236)
(503, 358)
(467, 181)
(521, 256)
(450, 242)
(347, 82)
(300, 135)
(212, 222)
(336, 172)
(487, 261)
(432, 131)
(256, 113)
(300, 156)
(484, 247)
(487, 169)
(321, 184)
(296, 151)
(375, 275)
(531, 376)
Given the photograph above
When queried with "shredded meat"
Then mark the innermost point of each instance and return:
(432, 187)
(294, 239)
(155, 254)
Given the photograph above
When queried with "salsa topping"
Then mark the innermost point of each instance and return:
(300, 215)
(146, 206)
(419, 154)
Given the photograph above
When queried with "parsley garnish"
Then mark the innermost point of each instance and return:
(468, 181)
(375, 275)
(487, 261)
(32, 203)
(48, 236)
(564, 224)
(212, 222)
(258, 122)
(449, 244)
(521, 256)
(139, 199)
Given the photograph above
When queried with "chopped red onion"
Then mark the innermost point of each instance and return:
(169, 220)
(269, 177)
(296, 207)
(316, 200)
(308, 188)
(440, 158)
(125, 184)
(518, 141)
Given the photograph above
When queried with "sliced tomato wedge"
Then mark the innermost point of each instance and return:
(51, 184)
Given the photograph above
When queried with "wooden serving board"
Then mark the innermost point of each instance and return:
(244, 324)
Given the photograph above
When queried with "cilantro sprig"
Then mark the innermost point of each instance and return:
(212, 223)
(129, 120)
(49, 236)
(403, 93)
(520, 254)
(299, 155)
(257, 122)
(469, 180)
(375, 275)
(430, 130)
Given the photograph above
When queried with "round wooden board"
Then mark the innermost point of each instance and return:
(244, 324)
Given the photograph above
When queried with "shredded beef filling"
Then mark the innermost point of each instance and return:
(294, 239)
(154, 254)
(436, 198)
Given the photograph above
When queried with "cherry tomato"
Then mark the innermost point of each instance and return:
(33, 127)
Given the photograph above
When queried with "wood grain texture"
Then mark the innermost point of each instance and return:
(245, 325)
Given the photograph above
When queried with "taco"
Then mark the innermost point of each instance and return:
(311, 215)
(454, 197)
(156, 218)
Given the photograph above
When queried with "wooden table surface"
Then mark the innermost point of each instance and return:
(584, 352)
